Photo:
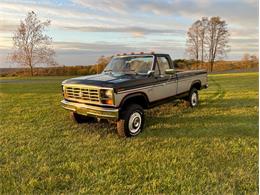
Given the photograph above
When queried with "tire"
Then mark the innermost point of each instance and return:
(193, 99)
(78, 118)
(131, 121)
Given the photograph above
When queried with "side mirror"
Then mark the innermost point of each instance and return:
(150, 73)
(170, 71)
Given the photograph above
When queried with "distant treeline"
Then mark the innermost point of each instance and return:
(219, 66)
(181, 64)
(53, 71)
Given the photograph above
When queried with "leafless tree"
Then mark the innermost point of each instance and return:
(203, 25)
(254, 58)
(102, 62)
(193, 43)
(249, 61)
(246, 60)
(246, 57)
(217, 39)
(31, 45)
(208, 38)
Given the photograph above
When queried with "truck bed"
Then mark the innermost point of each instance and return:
(186, 78)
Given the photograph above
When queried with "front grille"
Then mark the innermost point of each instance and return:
(84, 94)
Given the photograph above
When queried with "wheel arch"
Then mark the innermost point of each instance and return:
(135, 98)
(196, 84)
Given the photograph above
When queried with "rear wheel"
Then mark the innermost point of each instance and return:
(131, 121)
(78, 118)
(193, 98)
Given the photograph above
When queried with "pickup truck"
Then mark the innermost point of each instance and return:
(129, 84)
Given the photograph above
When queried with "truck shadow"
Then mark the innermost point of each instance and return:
(211, 118)
(215, 116)
(215, 94)
(103, 128)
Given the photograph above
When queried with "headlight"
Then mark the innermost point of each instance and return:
(106, 96)
(109, 93)
(63, 88)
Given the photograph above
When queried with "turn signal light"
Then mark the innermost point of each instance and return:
(110, 101)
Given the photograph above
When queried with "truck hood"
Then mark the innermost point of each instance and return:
(118, 82)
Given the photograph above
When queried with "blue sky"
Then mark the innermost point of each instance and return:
(83, 30)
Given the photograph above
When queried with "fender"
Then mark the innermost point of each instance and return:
(195, 82)
(133, 95)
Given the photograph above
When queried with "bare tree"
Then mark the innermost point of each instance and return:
(202, 35)
(249, 61)
(31, 45)
(254, 58)
(246, 60)
(217, 39)
(246, 57)
(193, 42)
(102, 62)
(208, 38)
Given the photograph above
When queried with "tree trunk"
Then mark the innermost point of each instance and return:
(211, 66)
(31, 70)
(197, 59)
(202, 53)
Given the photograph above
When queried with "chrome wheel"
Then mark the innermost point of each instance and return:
(131, 121)
(194, 99)
(135, 122)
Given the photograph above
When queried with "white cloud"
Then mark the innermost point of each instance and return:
(152, 25)
(105, 5)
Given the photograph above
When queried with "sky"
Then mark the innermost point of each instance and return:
(84, 30)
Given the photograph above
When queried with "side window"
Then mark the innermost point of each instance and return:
(140, 64)
(163, 64)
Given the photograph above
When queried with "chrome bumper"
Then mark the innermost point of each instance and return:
(80, 108)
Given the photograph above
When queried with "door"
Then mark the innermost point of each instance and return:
(165, 85)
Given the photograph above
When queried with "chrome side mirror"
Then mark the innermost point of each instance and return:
(170, 71)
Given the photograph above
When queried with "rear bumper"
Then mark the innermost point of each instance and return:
(87, 110)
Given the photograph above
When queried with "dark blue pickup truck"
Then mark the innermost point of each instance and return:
(128, 85)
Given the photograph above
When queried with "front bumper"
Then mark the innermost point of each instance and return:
(88, 110)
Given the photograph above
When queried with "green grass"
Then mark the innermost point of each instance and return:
(209, 149)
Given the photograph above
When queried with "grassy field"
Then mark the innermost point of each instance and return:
(209, 149)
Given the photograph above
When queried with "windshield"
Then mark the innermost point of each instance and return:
(130, 64)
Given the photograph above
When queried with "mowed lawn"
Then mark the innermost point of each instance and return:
(209, 149)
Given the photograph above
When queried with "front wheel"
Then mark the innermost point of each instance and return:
(131, 121)
(193, 97)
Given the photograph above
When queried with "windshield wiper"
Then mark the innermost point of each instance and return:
(109, 70)
(129, 72)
